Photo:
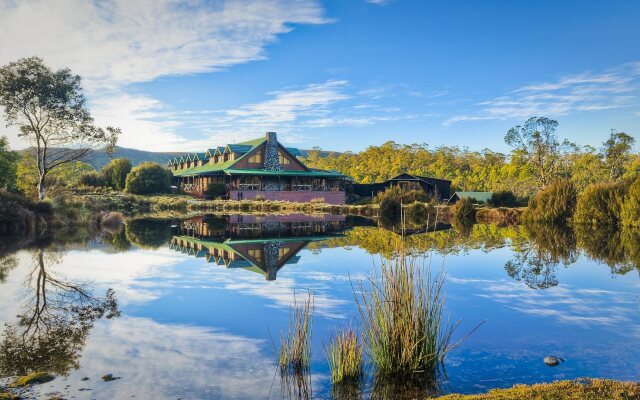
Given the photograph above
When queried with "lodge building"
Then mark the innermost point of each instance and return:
(261, 168)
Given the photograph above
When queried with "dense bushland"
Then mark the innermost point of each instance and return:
(600, 204)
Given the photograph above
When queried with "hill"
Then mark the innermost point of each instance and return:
(98, 158)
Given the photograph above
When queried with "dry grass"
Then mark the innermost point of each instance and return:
(295, 344)
(111, 221)
(583, 389)
(345, 358)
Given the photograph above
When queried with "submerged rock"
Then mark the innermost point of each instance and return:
(109, 378)
(35, 378)
(553, 361)
(86, 378)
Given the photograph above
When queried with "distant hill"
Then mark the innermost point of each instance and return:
(99, 158)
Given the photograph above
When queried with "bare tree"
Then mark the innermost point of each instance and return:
(50, 110)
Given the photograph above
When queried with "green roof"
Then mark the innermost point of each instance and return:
(479, 196)
(313, 173)
(244, 148)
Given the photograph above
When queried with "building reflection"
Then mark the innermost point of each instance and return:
(261, 244)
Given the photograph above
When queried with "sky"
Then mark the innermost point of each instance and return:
(338, 74)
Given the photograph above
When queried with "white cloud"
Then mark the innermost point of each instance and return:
(378, 2)
(114, 43)
(588, 91)
(117, 42)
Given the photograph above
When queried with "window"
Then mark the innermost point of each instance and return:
(256, 254)
(256, 158)
(283, 252)
(283, 159)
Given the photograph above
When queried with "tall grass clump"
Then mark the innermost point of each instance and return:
(295, 344)
(600, 204)
(554, 204)
(345, 357)
(401, 317)
(463, 212)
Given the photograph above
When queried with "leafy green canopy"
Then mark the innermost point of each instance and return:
(148, 178)
(50, 111)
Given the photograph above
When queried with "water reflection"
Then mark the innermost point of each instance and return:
(262, 244)
(56, 315)
(211, 323)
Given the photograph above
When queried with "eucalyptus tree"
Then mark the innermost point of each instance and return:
(538, 143)
(50, 111)
(616, 152)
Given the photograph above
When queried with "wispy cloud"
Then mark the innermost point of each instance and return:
(588, 91)
(379, 2)
(115, 43)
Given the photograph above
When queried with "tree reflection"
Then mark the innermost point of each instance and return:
(148, 233)
(538, 257)
(54, 322)
(618, 248)
(7, 263)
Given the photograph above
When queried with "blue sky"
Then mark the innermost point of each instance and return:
(341, 74)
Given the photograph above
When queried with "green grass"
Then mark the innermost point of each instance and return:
(295, 344)
(401, 314)
(345, 357)
(33, 379)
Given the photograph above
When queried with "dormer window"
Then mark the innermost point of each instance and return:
(283, 159)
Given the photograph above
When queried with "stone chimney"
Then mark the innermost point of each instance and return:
(271, 157)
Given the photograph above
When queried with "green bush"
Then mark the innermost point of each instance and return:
(463, 211)
(504, 199)
(115, 173)
(215, 190)
(600, 204)
(92, 178)
(554, 204)
(148, 178)
(406, 196)
(630, 209)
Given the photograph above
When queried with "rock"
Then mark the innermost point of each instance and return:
(553, 361)
(35, 378)
(86, 378)
(109, 378)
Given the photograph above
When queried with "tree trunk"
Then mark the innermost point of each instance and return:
(41, 188)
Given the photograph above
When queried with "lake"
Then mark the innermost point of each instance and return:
(192, 308)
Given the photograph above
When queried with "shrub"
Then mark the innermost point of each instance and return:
(504, 198)
(555, 204)
(463, 211)
(112, 221)
(406, 196)
(630, 209)
(42, 207)
(600, 204)
(92, 178)
(148, 178)
(115, 173)
(215, 190)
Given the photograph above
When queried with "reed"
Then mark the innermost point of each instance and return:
(345, 357)
(401, 314)
(295, 344)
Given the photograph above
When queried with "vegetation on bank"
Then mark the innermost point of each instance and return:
(581, 389)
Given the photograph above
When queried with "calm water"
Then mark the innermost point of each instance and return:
(185, 309)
